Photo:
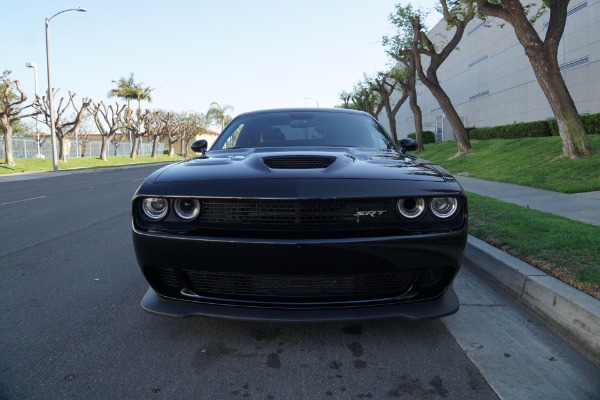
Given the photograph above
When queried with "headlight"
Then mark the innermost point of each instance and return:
(186, 209)
(155, 208)
(444, 207)
(411, 208)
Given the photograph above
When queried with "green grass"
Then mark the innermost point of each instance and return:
(566, 249)
(45, 164)
(534, 162)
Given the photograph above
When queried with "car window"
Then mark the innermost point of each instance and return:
(293, 129)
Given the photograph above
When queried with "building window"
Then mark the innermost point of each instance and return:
(478, 61)
(476, 27)
(574, 64)
(479, 95)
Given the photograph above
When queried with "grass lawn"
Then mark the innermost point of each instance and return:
(568, 250)
(534, 162)
(45, 164)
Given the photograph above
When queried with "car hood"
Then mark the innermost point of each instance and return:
(344, 163)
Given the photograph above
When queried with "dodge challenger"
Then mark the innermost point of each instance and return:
(301, 215)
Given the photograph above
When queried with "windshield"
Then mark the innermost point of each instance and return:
(300, 128)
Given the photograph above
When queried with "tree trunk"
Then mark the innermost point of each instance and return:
(574, 139)
(104, 148)
(134, 147)
(391, 119)
(154, 146)
(62, 153)
(8, 151)
(460, 133)
(416, 110)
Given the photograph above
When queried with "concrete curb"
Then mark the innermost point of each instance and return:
(573, 314)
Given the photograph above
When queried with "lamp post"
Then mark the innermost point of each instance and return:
(50, 91)
(37, 131)
(310, 98)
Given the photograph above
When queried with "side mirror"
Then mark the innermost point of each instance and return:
(200, 146)
(408, 144)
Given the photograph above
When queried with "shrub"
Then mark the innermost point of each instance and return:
(513, 131)
(591, 124)
(428, 137)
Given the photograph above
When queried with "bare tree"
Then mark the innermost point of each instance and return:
(543, 57)
(155, 129)
(64, 126)
(172, 131)
(108, 120)
(135, 125)
(192, 125)
(12, 105)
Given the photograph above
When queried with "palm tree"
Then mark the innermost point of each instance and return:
(127, 89)
(219, 115)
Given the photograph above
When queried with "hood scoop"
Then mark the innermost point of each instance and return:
(298, 162)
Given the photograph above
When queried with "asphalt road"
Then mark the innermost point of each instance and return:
(71, 326)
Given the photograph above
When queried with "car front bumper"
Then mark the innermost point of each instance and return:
(444, 305)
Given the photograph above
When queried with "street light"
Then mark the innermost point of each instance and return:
(50, 91)
(37, 131)
(310, 98)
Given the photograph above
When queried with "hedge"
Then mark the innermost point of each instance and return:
(591, 124)
(512, 131)
(428, 137)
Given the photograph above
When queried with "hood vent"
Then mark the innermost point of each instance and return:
(298, 162)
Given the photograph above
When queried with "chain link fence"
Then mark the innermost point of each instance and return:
(28, 148)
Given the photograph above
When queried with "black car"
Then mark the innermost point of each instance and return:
(301, 215)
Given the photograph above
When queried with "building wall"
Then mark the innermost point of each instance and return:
(491, 82)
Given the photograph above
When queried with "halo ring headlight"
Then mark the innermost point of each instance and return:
(155, 208)
(186, 209)
(444, 207)
(411, 208)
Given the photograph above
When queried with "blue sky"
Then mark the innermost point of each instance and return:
(248, 54)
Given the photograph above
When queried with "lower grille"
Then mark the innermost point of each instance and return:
(298, 287)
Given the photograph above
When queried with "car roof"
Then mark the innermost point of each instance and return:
(302, 109)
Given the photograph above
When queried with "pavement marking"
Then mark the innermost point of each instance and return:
(20, 201)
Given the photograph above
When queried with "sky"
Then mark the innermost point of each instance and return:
(251, 54)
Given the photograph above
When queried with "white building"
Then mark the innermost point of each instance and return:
(490, 81)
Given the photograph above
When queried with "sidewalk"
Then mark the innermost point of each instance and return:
(583, 207)
(573, 314)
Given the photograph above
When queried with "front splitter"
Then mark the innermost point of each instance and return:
(442, 306)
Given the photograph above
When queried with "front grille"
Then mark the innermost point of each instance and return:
(313, 287)
(298, 162)
(334, 211)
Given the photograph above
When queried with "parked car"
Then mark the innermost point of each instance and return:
(301, 215)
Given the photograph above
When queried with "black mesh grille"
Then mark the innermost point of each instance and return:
(163, 276)
(309, 287)
(335, 211)
(298, 162)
